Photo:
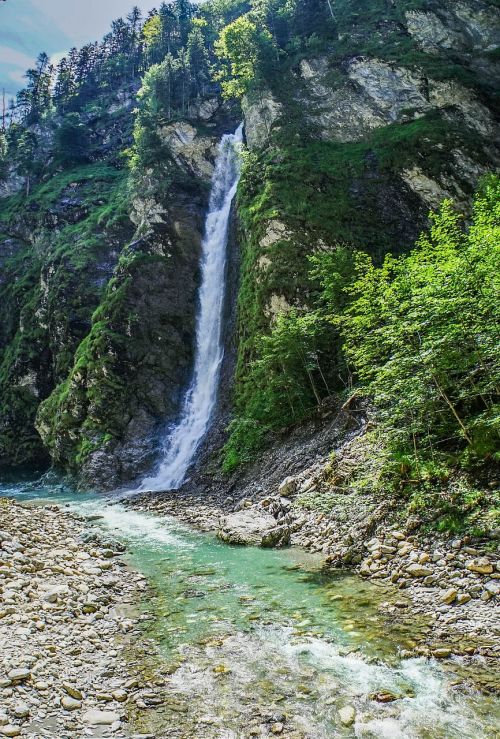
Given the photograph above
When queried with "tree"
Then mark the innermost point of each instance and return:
(151, 34)
(241, 49)
(197, 55)
(157, 94)
(422, 333)
(26, 157)
(38, 90)
(71, 141)
(183, 12)
(3, 155)
(169, 29)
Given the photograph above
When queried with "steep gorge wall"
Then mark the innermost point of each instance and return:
(99, 280)
(58, 249)
(106, 419)
(354, 143)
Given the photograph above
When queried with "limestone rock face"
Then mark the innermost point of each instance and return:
(11, 185)
(190, 150)
(261, 113)
(359, 140)
(466, 25)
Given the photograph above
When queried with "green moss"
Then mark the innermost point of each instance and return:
(42, 329)
(324, 193)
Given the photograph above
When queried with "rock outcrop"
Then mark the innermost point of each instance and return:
(254, 526)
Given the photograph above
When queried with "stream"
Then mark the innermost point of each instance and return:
(262, 642)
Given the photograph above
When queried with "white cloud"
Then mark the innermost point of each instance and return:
(17, 76)
(15, 57)
(56, 58)
(87, 20)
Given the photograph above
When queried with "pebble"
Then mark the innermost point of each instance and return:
(21, 710)
(449, 596)
(54, 654)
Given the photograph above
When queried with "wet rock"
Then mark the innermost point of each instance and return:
(347, 715)
(441, 652)
(253, 527)
(384, 696)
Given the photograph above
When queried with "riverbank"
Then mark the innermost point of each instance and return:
(451, 582)
(243, 641)
(68, 616)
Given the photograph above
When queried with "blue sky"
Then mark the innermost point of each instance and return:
(28, 27)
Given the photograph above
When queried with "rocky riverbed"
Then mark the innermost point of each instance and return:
(68, 619)
(452, 582)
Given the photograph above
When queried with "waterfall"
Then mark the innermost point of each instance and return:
(183, 439)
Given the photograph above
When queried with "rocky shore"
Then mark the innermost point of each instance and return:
(453, 582)
(67, 619)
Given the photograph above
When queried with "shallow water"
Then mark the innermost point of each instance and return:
(252, 638)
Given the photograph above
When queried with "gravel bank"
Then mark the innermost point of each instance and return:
(67, 618)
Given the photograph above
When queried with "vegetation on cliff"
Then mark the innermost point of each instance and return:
(418, 336)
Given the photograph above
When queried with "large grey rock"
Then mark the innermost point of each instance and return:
(100, 718)
(262, 111)
(252, 527)
(416, 570)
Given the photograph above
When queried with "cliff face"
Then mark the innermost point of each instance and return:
(352, 140)
(99, 283)
(355, 142)
(58, 249)
(104, 421)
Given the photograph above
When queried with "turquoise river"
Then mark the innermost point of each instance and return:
(254, 640)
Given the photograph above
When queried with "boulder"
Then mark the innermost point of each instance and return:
(100, 718)
(481, 565)
(253, 527)
(416, 570)
(347, 715)
(288, 486)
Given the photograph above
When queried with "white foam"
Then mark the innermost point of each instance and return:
(136, 526)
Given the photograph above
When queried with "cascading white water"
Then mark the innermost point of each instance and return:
(183, 440)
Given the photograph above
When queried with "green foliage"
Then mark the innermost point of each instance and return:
(42, 329)
(422, 332)
(242, 49)
(71, 145)
(421, 337)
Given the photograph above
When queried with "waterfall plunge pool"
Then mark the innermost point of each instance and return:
(258, 643)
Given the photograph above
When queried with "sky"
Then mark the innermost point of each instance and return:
(28, 27)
